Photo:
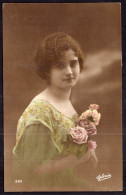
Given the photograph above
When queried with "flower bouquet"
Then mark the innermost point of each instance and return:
(79, 137)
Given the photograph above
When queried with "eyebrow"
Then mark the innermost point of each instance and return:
(75, 60)
(70, 61)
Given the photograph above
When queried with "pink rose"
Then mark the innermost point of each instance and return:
(92, 145)
(81, 123)
(94, 106)
(79, 135)
(89, 127)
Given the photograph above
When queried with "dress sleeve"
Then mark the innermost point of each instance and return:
(41, 113)
(35, 146)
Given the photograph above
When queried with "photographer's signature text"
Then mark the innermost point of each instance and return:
(103, 176)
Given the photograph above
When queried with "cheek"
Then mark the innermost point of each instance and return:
(77, 70)
(55, 75)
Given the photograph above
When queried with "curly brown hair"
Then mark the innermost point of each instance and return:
(50, 50)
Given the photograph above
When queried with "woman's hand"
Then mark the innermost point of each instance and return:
(85, 158)
(57, 164)
(93, 160)
(90, 158)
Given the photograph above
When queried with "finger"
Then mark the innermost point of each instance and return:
(86, 157)
(93, 159)
(90, 161)
(93, 162)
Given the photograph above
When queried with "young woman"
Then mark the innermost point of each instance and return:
(41, 156)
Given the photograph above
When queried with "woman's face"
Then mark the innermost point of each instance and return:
(65, 72)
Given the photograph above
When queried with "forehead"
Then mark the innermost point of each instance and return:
(68, 55)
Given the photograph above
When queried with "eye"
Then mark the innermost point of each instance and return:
(74, 63)
(59, 65)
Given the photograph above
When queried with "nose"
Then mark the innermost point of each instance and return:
(68, 70)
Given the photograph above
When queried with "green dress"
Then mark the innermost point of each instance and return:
(41, 137)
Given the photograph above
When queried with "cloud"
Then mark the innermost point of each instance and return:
(95, 63)
(113, 85)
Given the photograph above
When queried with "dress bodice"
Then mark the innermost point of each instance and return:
(42, 112)
(39, 122)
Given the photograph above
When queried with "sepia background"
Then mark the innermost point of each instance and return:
(97, 27)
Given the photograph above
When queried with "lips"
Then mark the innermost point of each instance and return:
(67, 79)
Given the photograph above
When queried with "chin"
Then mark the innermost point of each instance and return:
(74, 82)
(68, 85)
(71, 85)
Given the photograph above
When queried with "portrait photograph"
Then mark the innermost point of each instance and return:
(62, 97)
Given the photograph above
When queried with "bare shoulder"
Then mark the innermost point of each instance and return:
(40, 96)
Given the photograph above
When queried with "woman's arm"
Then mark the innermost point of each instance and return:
(35, 150)
(66, 162)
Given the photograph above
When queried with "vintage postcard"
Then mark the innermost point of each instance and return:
(62, 65)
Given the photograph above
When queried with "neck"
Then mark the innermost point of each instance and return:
(59, 94)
